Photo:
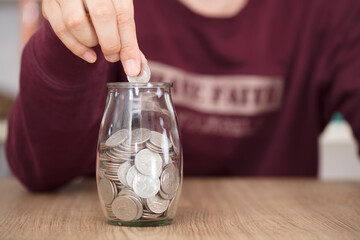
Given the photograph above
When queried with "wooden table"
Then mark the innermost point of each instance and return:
(214, 208)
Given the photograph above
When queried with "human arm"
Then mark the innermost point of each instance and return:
(340, 86)
(54, 123)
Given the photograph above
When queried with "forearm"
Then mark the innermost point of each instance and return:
(54, 123)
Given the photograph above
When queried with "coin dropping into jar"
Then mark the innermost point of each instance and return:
(144, 75)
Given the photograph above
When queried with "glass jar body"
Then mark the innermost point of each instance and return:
(139, 155)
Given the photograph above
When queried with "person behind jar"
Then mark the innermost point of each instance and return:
(255, 82)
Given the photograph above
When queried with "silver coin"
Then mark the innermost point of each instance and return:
(111, 177)
(139, 206)
(166, 195)
(138, 136)
(145, 186)
(157, 204)
(125, 208)
(130, 175)
(102, 157)
(123, 169)
(107, 190)
(148, 214)
(148, 163)
(111, 173)
(153, 148)
(144, 75)
(128, 192)
(117, 138)
(170, 179)
(103, 147)
(133, 149)
(171, 211)
(160, 140)
(118, 152)
(151, 216)
(101, 173)
(111, 164)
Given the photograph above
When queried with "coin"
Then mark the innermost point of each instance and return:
(170, 179)
(117, 138)
(153, 148)
(145, 186)
(166, 195)
(130, 175)
(157, 204)
(138, 136)
(171, 210)
(139, 206)
(144, 75)
(128, 192)
(109, 212)
(123, 169)
(148, 163)
(139, 166)
(160, 140)
(125, 208)
(151, 216)
(107, 190)
(132, 149)
(101, 173)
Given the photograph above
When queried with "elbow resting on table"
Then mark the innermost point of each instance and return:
(36, 180)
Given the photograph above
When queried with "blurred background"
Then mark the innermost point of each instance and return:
(20, 18)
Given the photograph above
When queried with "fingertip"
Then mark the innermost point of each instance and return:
(89, 56)
(132, 67)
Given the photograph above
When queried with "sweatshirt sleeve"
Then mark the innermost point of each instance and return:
(342, 89)
(54, 123)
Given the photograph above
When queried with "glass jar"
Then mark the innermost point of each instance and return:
(139, 157)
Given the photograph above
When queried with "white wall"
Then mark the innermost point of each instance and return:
(338, 150)
(9, 48)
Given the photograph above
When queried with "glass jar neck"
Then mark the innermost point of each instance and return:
(150, 85)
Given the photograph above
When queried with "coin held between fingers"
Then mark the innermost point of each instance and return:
(131, 67)
(144, 75)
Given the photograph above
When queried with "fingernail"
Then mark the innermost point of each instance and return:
(131, 68)
(113, 58)
(89, 56)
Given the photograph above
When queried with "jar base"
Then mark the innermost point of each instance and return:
(153, 223)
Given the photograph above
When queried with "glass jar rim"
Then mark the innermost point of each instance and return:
(112, 85)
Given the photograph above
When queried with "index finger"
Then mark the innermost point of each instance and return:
(103, 17)
(130, 54)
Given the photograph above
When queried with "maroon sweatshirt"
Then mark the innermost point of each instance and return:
(252, 92)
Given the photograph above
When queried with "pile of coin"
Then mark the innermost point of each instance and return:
(139, 174)
(144, 75)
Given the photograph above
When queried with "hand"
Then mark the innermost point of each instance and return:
(111, 24)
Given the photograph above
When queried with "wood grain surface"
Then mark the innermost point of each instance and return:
(215, 208)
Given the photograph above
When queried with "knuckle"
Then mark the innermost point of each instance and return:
(123, 18)
(102, 11)
(46, 5)
(44, 9)
(128, 51)
(114, 48)
(91, 42)
(74, 20)
(60, 31)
